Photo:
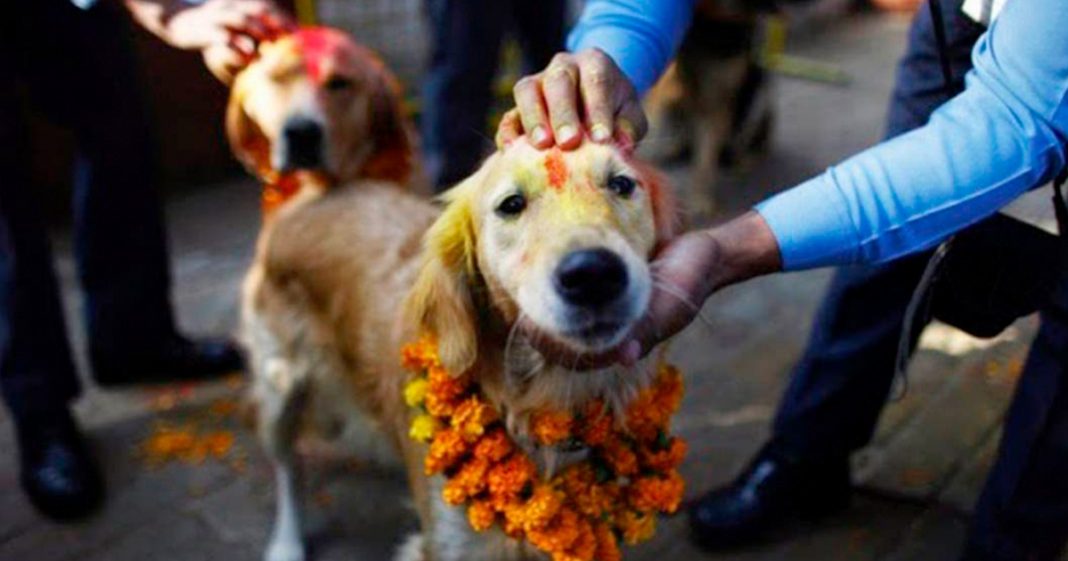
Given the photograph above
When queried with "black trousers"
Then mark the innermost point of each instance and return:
(77, 68)
(839, 387)
(457, 90)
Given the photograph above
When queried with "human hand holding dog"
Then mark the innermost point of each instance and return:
(576, 93)
(227, 32)
(685, 273)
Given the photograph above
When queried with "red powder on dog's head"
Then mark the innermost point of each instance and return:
(556, 168)
(317, 44)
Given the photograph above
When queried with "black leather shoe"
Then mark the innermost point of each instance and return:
(58, 474)
(773, 491)
(176, 359)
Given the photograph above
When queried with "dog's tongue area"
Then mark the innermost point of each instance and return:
(316, 46)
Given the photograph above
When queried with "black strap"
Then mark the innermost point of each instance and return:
(935, 6)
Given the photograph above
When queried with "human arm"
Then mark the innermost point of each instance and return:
(225, 31)
(618, 49)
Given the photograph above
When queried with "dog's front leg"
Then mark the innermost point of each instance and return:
(286, 542)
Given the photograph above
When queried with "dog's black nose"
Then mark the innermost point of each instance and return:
(303, 146)
(591, 277)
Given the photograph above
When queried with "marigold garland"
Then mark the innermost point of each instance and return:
(582, 513)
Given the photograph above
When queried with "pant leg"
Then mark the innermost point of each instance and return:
(540, 29)
(36, 369)
(457, 88)
(840, 385)
(84, 76)
(1022, 514)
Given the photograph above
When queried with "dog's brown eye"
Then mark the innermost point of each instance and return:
(338, 83)
(512, 205)
(621, 185)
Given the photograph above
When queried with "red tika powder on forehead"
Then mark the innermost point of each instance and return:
(317, 44)
(556, 169)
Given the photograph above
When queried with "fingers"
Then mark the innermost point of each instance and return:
(597, 88)
(532, 113)
(560, 86)
(509, 129)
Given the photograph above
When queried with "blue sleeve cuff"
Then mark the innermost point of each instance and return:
(808, 227)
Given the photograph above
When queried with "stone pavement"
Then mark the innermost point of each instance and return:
(917, 480)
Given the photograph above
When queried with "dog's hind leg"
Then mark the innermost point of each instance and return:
(280, 405)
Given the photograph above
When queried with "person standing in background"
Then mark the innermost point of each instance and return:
(74, 60)
(457, 93)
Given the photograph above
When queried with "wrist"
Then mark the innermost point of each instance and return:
(741, 249)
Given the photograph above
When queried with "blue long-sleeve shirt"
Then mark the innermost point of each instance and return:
(1003, 135)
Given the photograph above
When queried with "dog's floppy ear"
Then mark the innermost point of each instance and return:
(665, 208)
(441, 304)
(392, 156)
(247, 141)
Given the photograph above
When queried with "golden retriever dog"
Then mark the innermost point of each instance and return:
(345, 276)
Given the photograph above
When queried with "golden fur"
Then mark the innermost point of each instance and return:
(344, 276)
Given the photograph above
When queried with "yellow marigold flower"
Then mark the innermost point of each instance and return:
(620, 458)
(550, 427)
(666, 459)
(494, 446)
(415, 392)
(607, 544)
(423, 428)
(507, 479)
(472, 416)
(662, 494)
(559, 536)
(446, 449)
(481, 515)
(636, 527)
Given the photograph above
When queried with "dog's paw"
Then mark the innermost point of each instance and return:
(411, 549)
(284, 550)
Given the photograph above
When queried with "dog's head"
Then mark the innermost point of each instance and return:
(561, 238)
(316, 101)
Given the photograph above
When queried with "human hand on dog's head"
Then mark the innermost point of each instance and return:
(685, 273)
(227, 32)
(576, 95)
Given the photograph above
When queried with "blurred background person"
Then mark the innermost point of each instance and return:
(74, 61)
(458, 89)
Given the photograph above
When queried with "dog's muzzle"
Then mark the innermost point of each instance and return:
(301, 147)
(591, 278)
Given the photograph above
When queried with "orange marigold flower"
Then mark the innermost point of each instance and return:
(508, 478)
(494, 446)
(445, 384)
(620, 458)
(664, 459)
(558, 537)
(419, 355)
(662, 494)
(481, 515)
(636, 527)
(585, 546)
(669, 389)
(472, 416)
(439, 405)
(598, 500)
(468, 481)
(550, 427)
(544, 504)
(597, 424)
(446, 449)
(607, 544)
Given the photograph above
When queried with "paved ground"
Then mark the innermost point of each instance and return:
(918, 479)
